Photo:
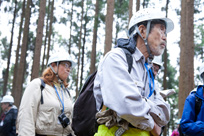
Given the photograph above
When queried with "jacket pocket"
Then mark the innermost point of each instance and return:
(45, 118)
(140, 86)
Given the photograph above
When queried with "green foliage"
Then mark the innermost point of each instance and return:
(171, 81)
(122, 9)
(5, 45)
(63, 20)
(199, 41)
(101, 15)
(197, 6)
(31, 41)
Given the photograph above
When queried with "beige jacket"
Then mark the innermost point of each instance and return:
(34, 117)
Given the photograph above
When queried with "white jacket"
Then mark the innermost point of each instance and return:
(127, 93)
(34, 117)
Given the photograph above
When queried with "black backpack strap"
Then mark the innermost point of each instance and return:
(42, 86)
(68, 92)
(129, 58)
(198, 103)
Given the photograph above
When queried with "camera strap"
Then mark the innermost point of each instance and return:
(61, 100)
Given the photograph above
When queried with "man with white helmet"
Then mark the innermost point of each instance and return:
(132, 95)
(8, 117)
(192, 121)
(46, 105)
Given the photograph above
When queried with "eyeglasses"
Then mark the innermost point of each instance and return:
(66, 65)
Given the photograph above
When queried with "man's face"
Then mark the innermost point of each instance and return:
(4, 106)
(156, 69)
(157, 39)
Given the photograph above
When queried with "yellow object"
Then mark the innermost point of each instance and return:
(104, 108)
(104, 131)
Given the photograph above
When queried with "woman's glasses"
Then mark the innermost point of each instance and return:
(66, 65)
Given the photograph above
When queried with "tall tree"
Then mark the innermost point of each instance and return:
(21, 69)
(70, 28)
(10, 49)
(50, 30)
(130, 9)
(83, 47)
(18, 47)
(46, 36)
(138, 5)
(109, 25)
(165, 68)
(186, 79)
(121, 13)
(79, 46)
(38, 42)
(93, 52)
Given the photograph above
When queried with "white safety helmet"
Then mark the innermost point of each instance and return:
(201, 70)
(7, 98)
(61, 56)
(158, 60)
(149, 14)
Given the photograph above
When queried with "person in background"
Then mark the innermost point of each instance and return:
(53, 115)
(8, 117)
(132, 96)
(192, 121)
(157, 65)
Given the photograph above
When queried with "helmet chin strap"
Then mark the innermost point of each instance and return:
(150, 58)
(56, 73)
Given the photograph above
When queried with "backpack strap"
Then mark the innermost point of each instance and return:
(129, 58)
(42, 86)
(68, 92)
(198, 103)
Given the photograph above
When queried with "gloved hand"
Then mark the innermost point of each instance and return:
(107, 117)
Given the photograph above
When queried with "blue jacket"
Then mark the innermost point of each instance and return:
(190, 125)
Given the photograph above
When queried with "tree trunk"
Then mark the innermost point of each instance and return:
(79, 47)
(130, 9)
(143, 4)
(165, 71)
(38, 42)
(70, 29)
(93, 52)
(10, 50)
(17, 51)
(83, 52)
(46, 36)
(21, 69)
(109, 25)
(138, 5)
(50, 30)
(186, 79)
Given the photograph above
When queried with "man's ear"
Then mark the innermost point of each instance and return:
(142, 30)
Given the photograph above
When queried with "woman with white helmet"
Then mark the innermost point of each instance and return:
(8, 117)
(132, 96)
(48, 111)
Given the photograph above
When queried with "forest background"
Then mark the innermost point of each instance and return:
(32, 30)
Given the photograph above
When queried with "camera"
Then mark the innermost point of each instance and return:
(63, 120)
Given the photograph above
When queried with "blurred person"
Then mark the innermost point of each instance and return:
(53, 115)
(8, 117)
(157, 65)
(192, 121)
